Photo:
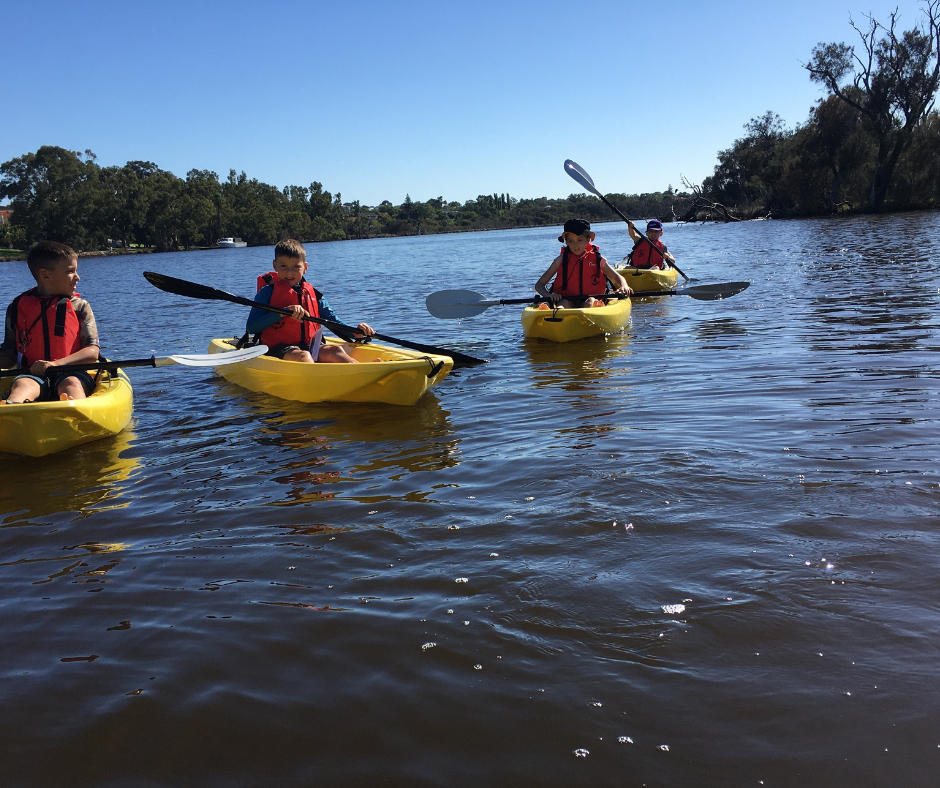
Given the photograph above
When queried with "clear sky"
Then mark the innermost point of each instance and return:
(380, 99)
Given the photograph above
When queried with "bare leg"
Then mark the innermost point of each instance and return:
(298, 355)
(23, 390)
(335, 355)
(72, 388)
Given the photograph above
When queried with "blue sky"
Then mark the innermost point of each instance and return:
(380, 99)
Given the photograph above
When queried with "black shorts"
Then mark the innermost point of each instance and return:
(279, 351)
(48, 386)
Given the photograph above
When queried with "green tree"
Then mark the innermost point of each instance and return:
(56, 194)
(895, 81)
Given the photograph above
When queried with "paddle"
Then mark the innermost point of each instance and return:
(198, 360)
(576, 172)
(453, 304)
(181, 287)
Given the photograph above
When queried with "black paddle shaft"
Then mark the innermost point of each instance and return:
(111, 366)
(181, 287)
(694, 292)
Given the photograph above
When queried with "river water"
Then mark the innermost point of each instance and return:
(703, 552)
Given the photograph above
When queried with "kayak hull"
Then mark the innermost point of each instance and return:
(645, 279)
(36, 429)
(566, 325)
(401, 378)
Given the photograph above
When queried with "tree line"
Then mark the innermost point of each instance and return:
(871, 144)
(66, 196)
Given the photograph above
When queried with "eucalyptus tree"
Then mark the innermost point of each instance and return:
(892, 80)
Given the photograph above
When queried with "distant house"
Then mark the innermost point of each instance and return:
(5, 215)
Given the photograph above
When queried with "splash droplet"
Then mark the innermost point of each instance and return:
(581, 753)
(426, 646)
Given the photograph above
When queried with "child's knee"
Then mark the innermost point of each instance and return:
(72, 388)
(298, 355)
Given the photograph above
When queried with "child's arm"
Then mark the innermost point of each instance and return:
(634, 235)
(8, 348)
(260, 319)
(544, 279)
(620, 284)
(87, 355)
(327, 313)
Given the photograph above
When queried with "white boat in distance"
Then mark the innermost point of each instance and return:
(232, 243)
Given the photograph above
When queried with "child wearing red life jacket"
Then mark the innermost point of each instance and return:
(48, 327)
(580, 272)
(292, 338)
(649, 255)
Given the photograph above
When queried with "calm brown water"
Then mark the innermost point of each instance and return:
(701, 553)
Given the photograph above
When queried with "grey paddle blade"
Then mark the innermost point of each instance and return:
(213, 359)
(714, 292)
(576, 172)
(454, 304)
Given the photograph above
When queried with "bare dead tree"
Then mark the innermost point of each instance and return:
(701, 202)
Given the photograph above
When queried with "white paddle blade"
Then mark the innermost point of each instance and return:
(576, 172)
(214, 359)
(454, 304)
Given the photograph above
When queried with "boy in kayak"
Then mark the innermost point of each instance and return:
(292, 338)
(580, 272)
(644, 255)
(48, 327)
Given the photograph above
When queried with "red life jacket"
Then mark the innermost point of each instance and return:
(267, 279)
(288, 331)
(47, 328)
(580, 276)
(645, 256)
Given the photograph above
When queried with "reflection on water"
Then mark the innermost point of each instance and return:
(90, 479)
(577, 366)
(68, 565)
(388, 442)
(721, 333)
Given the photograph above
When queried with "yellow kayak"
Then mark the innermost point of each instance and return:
(564, 325)
(40, 428)
(646, 279)
(400, 378)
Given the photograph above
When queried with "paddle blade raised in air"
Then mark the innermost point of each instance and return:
(576, 172)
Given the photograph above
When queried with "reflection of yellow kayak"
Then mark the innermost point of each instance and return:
(400, 378)
(645, 279)
(564, 325)
(40, 428)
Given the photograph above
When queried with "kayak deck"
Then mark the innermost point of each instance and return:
(36, 429)
(646, 279)
(566, 325)
(400, 378)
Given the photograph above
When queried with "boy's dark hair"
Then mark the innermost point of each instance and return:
(47, 254)
(290, 248)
